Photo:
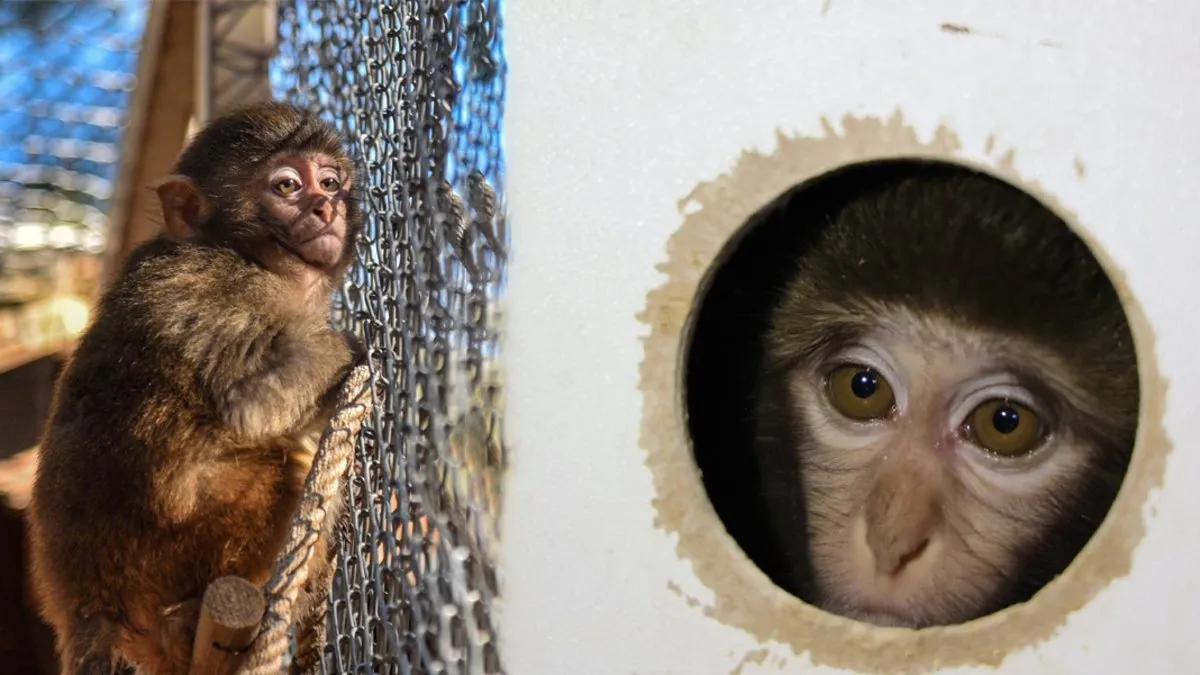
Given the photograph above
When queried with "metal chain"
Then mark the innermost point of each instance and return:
(417, 85)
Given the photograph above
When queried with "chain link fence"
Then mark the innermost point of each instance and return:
(418, 87)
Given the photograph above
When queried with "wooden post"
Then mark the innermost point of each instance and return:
(159, 112)
(230, 614)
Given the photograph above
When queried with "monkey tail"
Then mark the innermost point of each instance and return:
(330, 464)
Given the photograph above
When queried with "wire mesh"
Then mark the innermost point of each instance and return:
(418, 87)
(66, 71)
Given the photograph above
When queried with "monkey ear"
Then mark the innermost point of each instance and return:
(184, 208)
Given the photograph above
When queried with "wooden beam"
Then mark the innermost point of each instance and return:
(159, 114)
(16, 479)
(13, 357)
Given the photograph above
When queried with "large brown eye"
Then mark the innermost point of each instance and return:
(330, 184)
(1005, 428)
(287, 186)
(860, 393)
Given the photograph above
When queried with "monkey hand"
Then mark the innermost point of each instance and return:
(329, 401)
(287, 385)
(251, 415)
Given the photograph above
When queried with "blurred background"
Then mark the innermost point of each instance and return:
(97, 97)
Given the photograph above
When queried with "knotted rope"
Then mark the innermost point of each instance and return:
(332, 460)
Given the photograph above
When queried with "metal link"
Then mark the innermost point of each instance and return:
(418, 87)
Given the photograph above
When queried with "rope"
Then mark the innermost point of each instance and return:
(323, 486)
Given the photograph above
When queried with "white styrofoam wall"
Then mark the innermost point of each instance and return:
(617, 109)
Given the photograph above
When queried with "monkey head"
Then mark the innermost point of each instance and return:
(272, 182)
(952, 393)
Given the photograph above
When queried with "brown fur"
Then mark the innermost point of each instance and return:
(954, 270)
(183, 425)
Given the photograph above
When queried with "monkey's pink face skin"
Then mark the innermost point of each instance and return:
(306, 195)
(917, 511)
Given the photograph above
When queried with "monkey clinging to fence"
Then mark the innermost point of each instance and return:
(184, 424)
(948, 402)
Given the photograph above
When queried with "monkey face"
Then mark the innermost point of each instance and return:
(933, 455)
(304, 196)
(272, 182)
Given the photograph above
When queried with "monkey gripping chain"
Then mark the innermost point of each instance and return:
(332, 460)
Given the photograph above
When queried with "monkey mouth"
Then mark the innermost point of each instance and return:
(848, 582)
(325, 231)
(319, 247)
(878, 609)
(883, 619)
(916, 602)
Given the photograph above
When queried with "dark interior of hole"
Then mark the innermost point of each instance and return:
(724, 353)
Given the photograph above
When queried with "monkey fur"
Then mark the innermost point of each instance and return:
(940, 279)
(184, 424)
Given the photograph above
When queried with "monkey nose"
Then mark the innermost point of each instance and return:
(323, 209)
(891, 560)
(899, 534)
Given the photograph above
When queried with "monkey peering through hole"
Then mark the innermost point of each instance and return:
(912, 392)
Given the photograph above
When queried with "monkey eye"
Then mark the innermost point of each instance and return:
(287, 186)
(331, 184)
(860, 393)
(1005, 428)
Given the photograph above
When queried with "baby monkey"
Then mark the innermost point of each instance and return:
(184, 424)
(948, 402)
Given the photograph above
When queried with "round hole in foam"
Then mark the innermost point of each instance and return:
(723, 353)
